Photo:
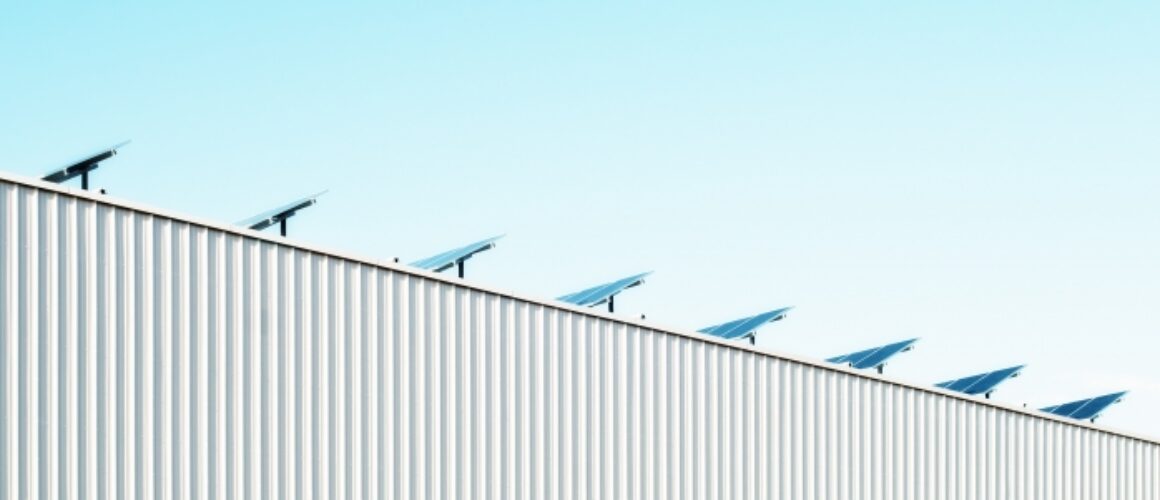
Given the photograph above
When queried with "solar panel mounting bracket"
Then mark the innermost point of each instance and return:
(82, 167)
(456, 257)
(281, 214)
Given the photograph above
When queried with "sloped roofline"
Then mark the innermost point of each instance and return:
(389, 264)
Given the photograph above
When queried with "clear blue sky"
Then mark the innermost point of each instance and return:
(983, 176)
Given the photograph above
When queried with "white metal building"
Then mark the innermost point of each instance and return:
(149, 355)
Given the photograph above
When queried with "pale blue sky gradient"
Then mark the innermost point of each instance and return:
(983, 176)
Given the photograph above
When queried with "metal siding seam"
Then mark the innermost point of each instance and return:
(457, 470)
(660, 419)
(385, 401)
(807, 419)
(689, 405)
(340, 450)
(51, 350)
(488, 385)
(289, 374)
(35, 392)
(520, 380)
(491, 386)
(400, 306)
(216, 365)
(185, 411)
(355, 336)
(762, 419)
(714, 427)
(373, 417)
(29, 366)
(9, 347)
(440, 371)
(642, 399)
(541, 382)
(793, 439)
(779, 385)
(553, 400)
(306, 337)
(122, 347)
(1116, 478)
(573, 409)
(91, 334)
(620, 382)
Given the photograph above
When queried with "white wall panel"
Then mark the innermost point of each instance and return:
(146, 356)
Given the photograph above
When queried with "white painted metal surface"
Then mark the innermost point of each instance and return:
(146, 356)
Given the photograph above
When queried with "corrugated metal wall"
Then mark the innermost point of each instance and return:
(145, 357)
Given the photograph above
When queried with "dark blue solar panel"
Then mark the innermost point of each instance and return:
(875, 357)
(982, 383)
(452, 257)
(882, 354)
(1067, 409)
(271, 217)
(1097, 405)
(845, 358)
(1086, 409)
(601, 293)
(745, 326)
(960, 384)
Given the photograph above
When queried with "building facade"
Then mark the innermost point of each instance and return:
(148, 355)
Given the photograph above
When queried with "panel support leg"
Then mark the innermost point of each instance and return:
(85, 180)
(460, 264)
(283, 224)
(611, 303)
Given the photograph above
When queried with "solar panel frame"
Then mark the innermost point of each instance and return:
(82, 166)
(276, 215)
(961, 384)
(845, 358)
(744, 327)
(446, 260)
(1066, 409)
(876, 356)
(1086, 409)
(982, 383)
(1095, 406)
(600, 294)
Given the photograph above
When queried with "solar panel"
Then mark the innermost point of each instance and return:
(1086, 409)
(745, 327)
(83, 166)
(455, 257)
(280, 214)
(603, 293)
(983, 383)
(875, 357)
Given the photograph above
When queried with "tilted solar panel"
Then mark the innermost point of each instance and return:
(875, 357)
(600, 294)
(457, 256)
(983, 383)
(83, 166)
(1086, 409)
(280, 214)
(745, 327)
